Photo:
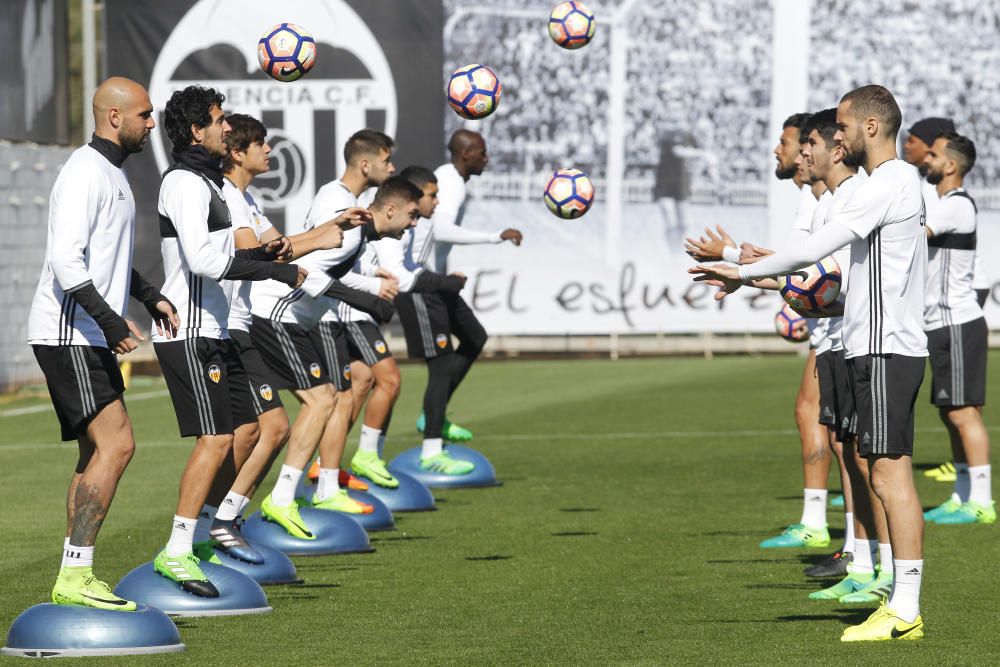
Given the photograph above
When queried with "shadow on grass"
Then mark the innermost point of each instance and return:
(580, 509)
(488, 558)
(574, 533)
(789, 586)
(743, 561)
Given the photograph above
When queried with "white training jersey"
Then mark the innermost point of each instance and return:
(950, 298)
(246, 213)
(834, 330)
(801, 226)
(818, 329)
(431, 240)
(883, 313)
(196, 254)
(91, 230)
(980, 276)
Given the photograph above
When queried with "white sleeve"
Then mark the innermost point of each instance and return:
(952, 215)
(76, 203)
(369, 284)
(449, 232)
(830, 238)
(186, 200)
(865, 209)
(316, 283)
(390, 258)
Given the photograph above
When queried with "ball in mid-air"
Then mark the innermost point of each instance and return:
(569, 193)
(474, 91)
(286, 52)
(790, 325)
(571, 25)
(812, 288)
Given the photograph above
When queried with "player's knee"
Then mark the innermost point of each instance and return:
(961, 417)
(390, 381)
(274, 431)
(123, 451)
(345, 401)
(218, 445)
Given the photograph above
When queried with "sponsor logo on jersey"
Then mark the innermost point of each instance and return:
(442, 341)
(215, 373)
(265, 392)
(315, 370)
(380, 346)
(121, 195)
(347, 372)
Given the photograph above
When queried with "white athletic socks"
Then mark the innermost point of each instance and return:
(813, 506)
(905, 599)
(864, 556)
(328, 483)
(202, 529)
(432, 447)
(369, 439)
(885, 557)
(962, 483)
(979, 484)
(381, 445)
(243, 506)
(231, 506)
(284, 489)
(181, 536)
(848, 534)
(74, 556)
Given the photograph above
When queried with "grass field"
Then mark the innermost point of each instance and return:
(635, 493)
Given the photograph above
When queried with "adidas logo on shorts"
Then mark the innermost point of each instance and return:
(942, 394)
(867, 439)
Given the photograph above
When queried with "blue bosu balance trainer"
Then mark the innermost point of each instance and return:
(238, 593)
(482, 475)
(277, 568)
(380, 519)
(335, 533)
(50, 630)
(410, 496)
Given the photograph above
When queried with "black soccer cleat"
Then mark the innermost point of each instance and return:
(832, 566)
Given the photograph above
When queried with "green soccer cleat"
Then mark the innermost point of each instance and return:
(341, 502)
(286, 516)
(186, 571)
(368, 464)
(798, 535)
(947, 507)
(970, 512)
(204, 552)
(837, 501)
(444, 464)
(78, 585)
(884, 625)
(875, 592)
(943, 473)
(852, 583)
(450, 432)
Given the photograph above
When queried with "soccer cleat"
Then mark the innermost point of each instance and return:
(852, 583)
(186, 571)
(368, 464)
(947, 507)
(876, 591)
(450, 432)
(78, 585)
(943, 473)
(798, 535)
(286, 516)
(831, 566)
(205, 552)
(837, 501)
(313, 473)
(970, 512)
(348, 481)
(341, 502)
(228, 538)
(444, 464)
(884, 625)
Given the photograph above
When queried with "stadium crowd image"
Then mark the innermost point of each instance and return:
(526, 331)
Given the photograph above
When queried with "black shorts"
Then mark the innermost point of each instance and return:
(330, 338)
(288, 351)
(885, 391)
(982, 295)
(365, 343)
(847, 416)
(430, 319)
(208, 385)
(958, 364)
(81, 380)
(827, 389)
(263, 390)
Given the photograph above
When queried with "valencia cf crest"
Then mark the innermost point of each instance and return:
(215, 373)
(265, 392)
(442, 341)
(347, 372)
(315, 370)
(380, 346)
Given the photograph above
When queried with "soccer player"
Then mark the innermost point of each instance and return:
(77, 324)
(884, 340)
(957, 332)
(430, 319)
(206, 379)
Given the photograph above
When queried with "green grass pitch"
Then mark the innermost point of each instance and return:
(635, 493)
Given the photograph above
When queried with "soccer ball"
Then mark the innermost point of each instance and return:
(474, 91)
(571, 25)
(790, 325)
(569, 193)
(286, 52)
(813, 288)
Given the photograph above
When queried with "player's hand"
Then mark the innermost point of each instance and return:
(388, 288)
(384, 273)
(749, 253)
(301, 277)
(353, 217)
(127, 344)
(284, 253)
(273, 248)
(329, 235)
(709, 247)
(165, 319)
(724, 276)
(512, 235)
(461, 276)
